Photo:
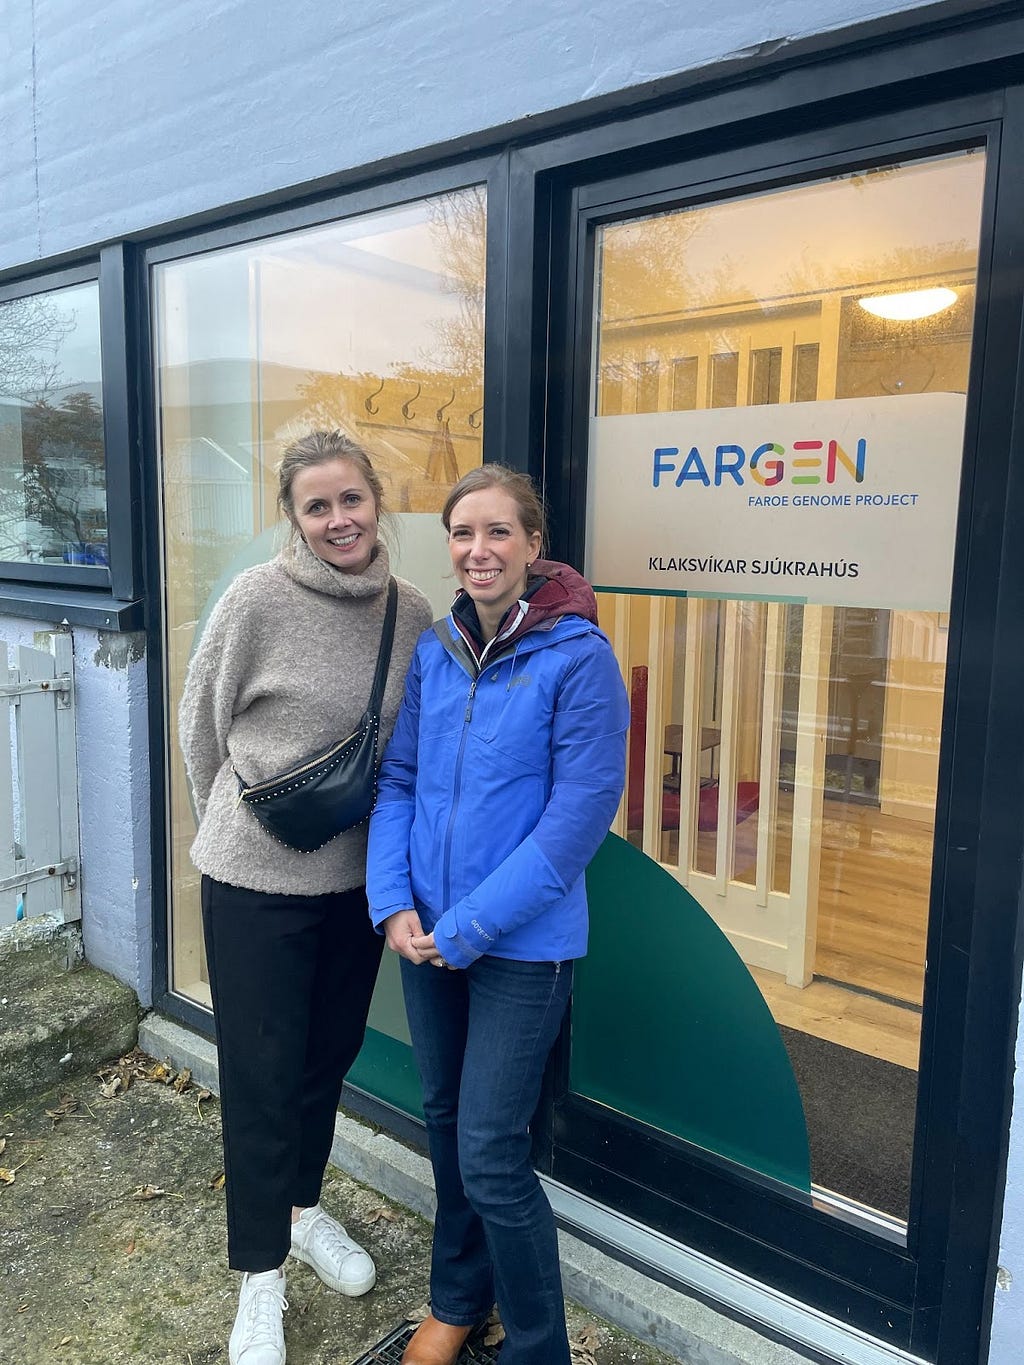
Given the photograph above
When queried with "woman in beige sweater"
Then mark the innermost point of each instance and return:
(284, 669)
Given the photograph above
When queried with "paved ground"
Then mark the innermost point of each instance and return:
(112, 1239)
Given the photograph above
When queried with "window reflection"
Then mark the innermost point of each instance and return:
(374, 325)
(53, 503)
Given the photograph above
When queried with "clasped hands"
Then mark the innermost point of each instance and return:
(405, 935)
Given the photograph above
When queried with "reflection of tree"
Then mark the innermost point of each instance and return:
(900, 268)
(644, 268)
(31, 332)
(458, 228)
(59, 484)
(422, 419)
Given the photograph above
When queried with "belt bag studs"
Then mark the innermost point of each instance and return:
(330, 792)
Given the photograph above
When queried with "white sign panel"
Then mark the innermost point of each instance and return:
(850, 502)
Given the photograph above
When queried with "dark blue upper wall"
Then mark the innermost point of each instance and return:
(119, 115)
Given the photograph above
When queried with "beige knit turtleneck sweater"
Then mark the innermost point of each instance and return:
(284, 669)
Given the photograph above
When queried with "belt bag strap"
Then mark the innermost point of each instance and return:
(387, 638)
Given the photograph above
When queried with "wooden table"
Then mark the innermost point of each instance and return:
(710, 738)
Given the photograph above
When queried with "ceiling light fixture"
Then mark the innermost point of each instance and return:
(908, 307)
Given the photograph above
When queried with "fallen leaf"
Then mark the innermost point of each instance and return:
(6, 1176)
(130, 1247)
(418, 1314)
(68, 1104)
(218, 1181)
(159, 1072)
(203, 1094)
(309, 1302)
(3, 1144)
(108, 1089)
(493, 1334)
(383, 1212)
(583, 1347)
(183, 1080)
(148, 1192)
(64, 1341)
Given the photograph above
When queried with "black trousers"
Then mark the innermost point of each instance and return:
(291, 979)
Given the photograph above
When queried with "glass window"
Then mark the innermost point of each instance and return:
(53, 495)
(374, 325)
(785, 736)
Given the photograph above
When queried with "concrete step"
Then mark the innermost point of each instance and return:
(64, 1021)
(36, 950)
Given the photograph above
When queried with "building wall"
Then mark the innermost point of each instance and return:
(1008, 1311)
(120, 116)
(114, 794)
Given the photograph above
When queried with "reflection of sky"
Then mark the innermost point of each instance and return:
(76, 317)
(365, 294)
(810, 237)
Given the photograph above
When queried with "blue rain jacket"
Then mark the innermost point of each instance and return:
(499, 784)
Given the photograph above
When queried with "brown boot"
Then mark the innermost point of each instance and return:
(435, 1343)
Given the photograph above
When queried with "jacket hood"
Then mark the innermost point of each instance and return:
(561, 592)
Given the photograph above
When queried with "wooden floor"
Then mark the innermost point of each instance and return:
(873, 900)
(872, 927)
(849, 1018)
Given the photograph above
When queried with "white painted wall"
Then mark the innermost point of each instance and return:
(118, 115)
(113, 785)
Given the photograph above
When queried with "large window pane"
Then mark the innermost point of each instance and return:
(53, 499)
(374, 325)
(784, 749)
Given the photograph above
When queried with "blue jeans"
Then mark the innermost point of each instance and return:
(481, 1038)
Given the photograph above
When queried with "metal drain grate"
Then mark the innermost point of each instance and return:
(389, 1351)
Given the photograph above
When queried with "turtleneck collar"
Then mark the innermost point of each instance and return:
(300, 563)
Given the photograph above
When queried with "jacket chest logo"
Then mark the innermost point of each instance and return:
(518, 680)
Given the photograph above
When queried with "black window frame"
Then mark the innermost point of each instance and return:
(107, 596)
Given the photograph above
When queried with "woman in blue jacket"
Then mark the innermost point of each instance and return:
(500, 781)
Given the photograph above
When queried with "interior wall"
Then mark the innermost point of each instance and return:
(119, 116)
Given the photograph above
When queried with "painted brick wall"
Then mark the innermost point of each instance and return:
(113, 784)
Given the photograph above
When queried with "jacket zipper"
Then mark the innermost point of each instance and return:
(479, 665)
(449, 832)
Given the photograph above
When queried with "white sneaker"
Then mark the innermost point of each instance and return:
(321, 1241)
(257, 1337)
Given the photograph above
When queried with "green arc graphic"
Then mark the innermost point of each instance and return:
(668, 1025)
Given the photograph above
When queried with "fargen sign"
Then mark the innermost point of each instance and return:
(850, 502)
